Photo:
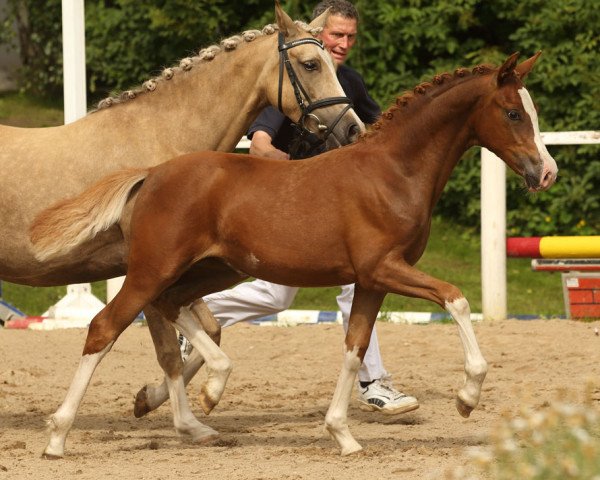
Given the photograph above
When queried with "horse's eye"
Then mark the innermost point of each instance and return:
(513, 115)
(310, 65)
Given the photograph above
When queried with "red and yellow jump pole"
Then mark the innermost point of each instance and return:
(553, 247)
(578, 260)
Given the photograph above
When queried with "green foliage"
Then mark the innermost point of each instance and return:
(40, 37)
(404, 43)
(400, 44)
(127, 40)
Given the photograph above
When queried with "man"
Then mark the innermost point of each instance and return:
(272, 135)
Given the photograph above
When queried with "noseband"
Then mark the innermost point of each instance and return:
(304, 102)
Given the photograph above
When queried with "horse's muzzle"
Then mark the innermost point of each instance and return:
(539, 182)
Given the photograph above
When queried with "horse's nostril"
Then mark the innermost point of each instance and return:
(549, 179)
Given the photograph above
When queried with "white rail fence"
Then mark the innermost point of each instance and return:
(493, 221)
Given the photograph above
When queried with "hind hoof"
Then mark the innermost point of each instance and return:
(140, 407)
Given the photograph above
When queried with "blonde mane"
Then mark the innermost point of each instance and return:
(204, 55)
(439, 84)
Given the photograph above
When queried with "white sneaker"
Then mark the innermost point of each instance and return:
(185, 346)
(382, 397)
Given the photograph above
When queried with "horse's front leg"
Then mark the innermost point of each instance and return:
(218, 364)
(150, 397)
(403, 279)
(365, 306)
(475, 365)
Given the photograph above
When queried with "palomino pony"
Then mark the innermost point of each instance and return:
(206, 103)
(359, 214)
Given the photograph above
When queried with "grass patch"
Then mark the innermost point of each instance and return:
(19, 110)
(36, 300)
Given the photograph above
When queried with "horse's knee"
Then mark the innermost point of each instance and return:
(170, 361)
(209, 323)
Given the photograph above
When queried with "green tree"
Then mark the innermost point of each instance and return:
(404, 43)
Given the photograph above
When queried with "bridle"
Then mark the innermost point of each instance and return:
(304, 102)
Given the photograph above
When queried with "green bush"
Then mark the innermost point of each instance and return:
(404, 43)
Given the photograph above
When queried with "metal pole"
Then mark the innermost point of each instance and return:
(493, 237)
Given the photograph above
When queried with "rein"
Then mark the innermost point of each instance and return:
(304, 102)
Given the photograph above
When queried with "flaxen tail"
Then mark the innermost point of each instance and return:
(60, 228)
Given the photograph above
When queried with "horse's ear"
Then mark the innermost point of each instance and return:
(525, 67)
(507, 70)
(320, 21)
(284, 22)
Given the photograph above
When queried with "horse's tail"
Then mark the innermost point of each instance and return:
(60, 228)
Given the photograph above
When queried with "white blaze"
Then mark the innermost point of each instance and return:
(549, 163)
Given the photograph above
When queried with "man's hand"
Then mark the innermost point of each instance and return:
(261, 145)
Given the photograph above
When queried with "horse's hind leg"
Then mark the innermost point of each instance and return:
(150, 397)
(365, 306)
(104, 329)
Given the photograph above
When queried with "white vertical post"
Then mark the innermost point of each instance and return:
(73, 27)
(73, 30)
(74, 84)
(493, 236)
(493, 220)
(79, 303)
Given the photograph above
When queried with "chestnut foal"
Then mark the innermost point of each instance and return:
(361, 213)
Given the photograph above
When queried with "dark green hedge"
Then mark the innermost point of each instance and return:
(400, 44)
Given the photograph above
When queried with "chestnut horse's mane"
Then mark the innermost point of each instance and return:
(204, 55)
(438, 85)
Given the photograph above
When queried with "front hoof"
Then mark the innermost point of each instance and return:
(140, 407)
(350, 449)
(206, 440)
(51, 456)
(203, 435)
(464, 409)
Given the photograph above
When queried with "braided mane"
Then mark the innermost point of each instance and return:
(438, 85)
(204, 55)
